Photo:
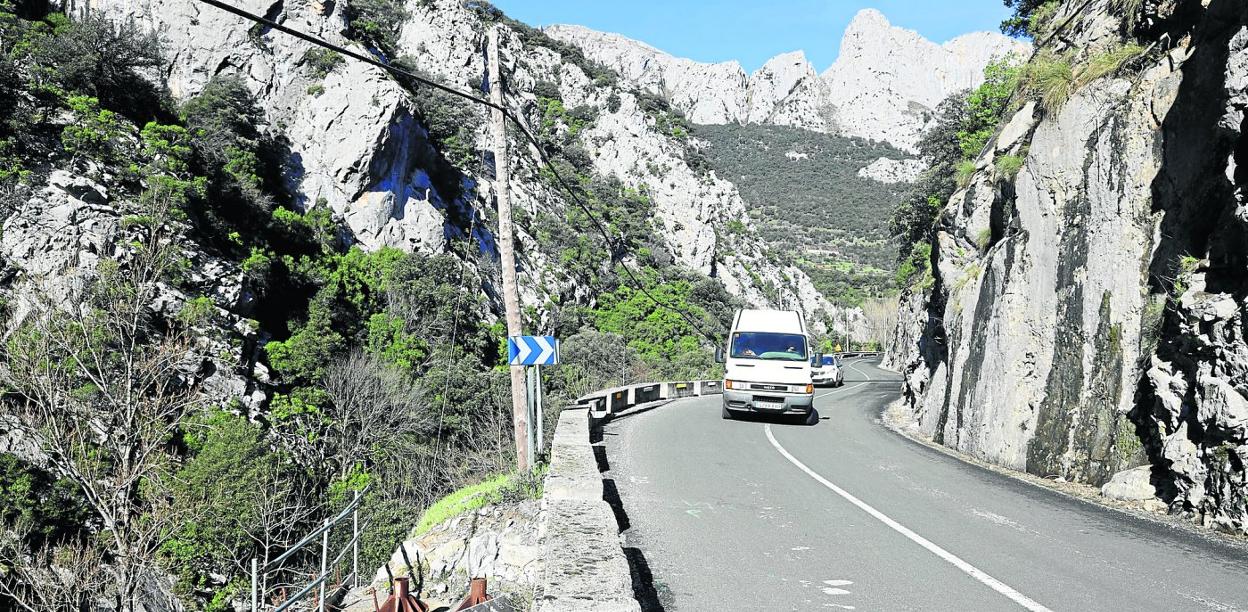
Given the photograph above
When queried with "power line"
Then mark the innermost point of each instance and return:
(320, 42)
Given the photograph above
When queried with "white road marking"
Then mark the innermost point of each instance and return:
(838, 390)
(953, 559)
(834, 591)
(838, 582)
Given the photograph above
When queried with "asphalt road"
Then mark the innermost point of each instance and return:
(844, 514)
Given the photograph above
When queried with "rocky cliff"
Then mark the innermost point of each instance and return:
(1086, 314)
(883, 86)
(358, 147)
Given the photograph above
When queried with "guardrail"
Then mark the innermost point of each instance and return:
(606, 403)
(861, 354)
(259, 575)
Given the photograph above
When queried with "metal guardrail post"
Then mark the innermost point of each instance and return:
(320, 598)
(255, 585)
(355, 542)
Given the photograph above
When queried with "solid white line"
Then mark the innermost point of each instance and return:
(837, 390)
(953, 559)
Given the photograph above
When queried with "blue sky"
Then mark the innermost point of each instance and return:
(752, 31)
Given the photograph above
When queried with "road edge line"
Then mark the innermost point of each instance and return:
(952, 559)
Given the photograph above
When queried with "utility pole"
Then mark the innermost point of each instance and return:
(506, 251)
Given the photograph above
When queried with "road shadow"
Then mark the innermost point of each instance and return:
(643, 581)
(644, 588)
(809, 420)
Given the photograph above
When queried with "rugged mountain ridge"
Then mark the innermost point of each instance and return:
(1085, 316)
(357, 148)
(883, 86)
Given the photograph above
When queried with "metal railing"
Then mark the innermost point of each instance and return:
(352, 510)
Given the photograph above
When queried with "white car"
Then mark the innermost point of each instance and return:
(830, 372)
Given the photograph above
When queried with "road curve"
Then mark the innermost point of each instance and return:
(843, 514)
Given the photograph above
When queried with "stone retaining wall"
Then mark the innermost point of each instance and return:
(585, 565)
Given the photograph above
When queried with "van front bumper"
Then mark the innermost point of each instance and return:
(768, 402)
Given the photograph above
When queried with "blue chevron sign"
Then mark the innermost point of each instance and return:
(533, 350)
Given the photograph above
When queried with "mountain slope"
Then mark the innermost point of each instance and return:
(883, 86)
(350, 144)
(813, 200)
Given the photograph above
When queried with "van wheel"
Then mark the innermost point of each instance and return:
(725, 414)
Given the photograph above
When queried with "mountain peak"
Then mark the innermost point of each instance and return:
(883, 85)
(788, 62)
(869, 19)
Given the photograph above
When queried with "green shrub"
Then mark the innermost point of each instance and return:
(93, 55)
(48, 509)
(376, 23)
(1051, 79)
(167, 147)
(916, 266)
(197, 311)
(503, 488)
(1041, 20)
(229, 459)
(315, 90)
(1024, 18)
(1008, 166)
(1108, 62)
(1185, 267)
(92, 131)
(320, 62)
(986, 104)
(983, 238)
(965, 170)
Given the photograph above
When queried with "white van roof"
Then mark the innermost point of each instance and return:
(778, 321)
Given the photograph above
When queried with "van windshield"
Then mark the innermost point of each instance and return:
(764, 345)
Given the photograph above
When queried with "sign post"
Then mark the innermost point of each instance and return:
(534, 352)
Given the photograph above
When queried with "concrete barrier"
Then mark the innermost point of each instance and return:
(609, 402)
(676, 390)
(647, 393)
(585, 566)
(586, 569)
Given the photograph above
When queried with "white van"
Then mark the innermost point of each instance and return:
(767, 366)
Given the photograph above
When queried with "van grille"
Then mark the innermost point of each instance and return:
(770, 387)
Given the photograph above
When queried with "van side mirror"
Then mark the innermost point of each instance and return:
(719, 355)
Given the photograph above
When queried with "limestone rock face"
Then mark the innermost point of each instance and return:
(887, 80)
(357, 144)
(707, 93)
(1086, 316)
(892, 171)
(884, 86)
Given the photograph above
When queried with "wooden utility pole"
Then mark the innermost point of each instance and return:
(506, 251)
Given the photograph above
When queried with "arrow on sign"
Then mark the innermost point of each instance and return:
(522, 351)
(547, 349)
(533, 350)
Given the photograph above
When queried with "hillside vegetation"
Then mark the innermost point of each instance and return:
(810, 204)
(253, 365)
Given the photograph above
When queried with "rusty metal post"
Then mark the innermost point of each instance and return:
(401, 600)
(476, 594)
